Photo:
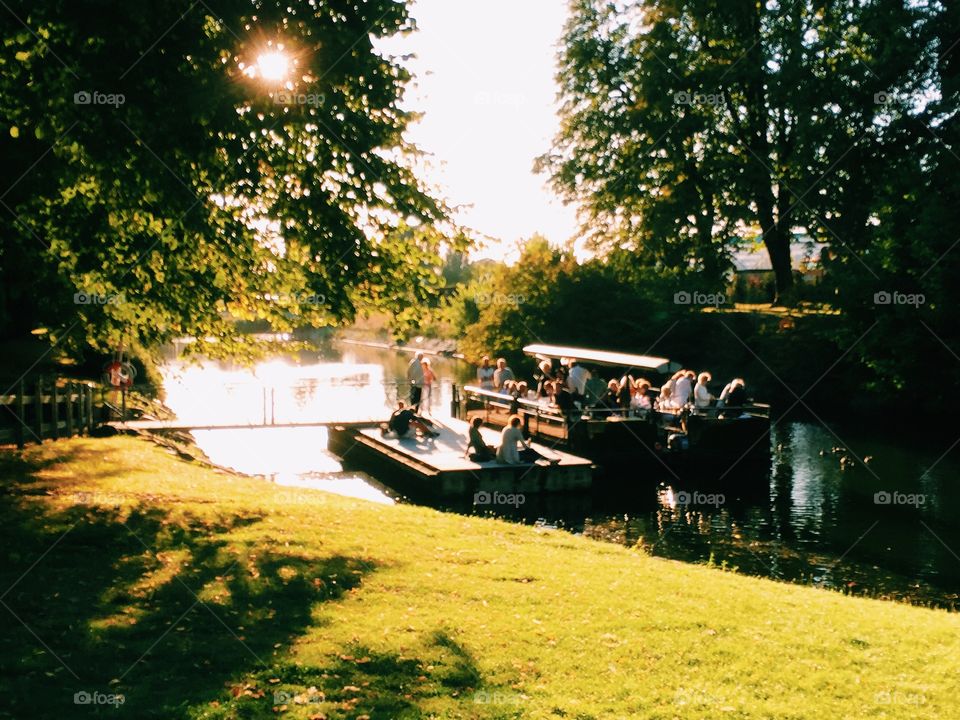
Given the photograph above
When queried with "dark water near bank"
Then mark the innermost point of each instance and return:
(887, 529)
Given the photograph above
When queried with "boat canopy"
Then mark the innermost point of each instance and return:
(603, 357)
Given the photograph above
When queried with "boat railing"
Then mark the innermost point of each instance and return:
(535, 416)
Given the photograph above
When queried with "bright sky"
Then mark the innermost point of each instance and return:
(485, 71)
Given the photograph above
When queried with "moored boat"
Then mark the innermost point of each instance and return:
(711, 441)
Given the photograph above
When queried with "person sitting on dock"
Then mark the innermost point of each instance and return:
(415, 378)
(481, 451)
(510, 438)
(403, 418)
(501, 374)
(485, 374)
(701, 395)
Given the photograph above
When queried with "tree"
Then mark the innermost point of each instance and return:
(157, 182)
(689, 123)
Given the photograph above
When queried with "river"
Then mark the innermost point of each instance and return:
(888, 529)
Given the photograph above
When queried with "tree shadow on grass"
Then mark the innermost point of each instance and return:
(162, 610)
(185, 619)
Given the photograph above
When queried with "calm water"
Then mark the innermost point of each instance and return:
(817, 518)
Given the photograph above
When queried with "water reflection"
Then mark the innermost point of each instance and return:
(816, 517)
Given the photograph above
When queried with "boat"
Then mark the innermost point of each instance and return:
(708, 442)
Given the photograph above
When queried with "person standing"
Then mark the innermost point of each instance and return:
(682, 388)
(501, 375)
(485, 374)
(577, 380)
(415, 378)
(429, 378)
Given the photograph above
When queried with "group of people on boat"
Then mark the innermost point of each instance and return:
(572, 388)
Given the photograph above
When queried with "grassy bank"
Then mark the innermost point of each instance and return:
(194, 593)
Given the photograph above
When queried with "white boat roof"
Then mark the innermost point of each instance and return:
(603, 357)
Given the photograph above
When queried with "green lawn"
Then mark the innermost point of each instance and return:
(197, 594)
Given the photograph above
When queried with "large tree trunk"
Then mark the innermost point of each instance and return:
(776, 238)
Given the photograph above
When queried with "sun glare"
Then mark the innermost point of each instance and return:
(273, 66)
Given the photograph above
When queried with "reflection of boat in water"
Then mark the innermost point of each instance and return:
(709, 441)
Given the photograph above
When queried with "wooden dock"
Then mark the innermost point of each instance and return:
(187, 426)
(438, 465)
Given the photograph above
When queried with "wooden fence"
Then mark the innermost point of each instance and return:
(51, 411)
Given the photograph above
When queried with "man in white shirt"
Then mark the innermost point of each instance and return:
(682, 388)
(577, 380)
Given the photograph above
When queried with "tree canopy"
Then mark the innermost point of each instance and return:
(157, 181)
(690, 125)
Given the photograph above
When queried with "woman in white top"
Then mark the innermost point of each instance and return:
(511, 436)
(701, 395)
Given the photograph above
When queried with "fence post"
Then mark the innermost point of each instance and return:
(21, 416)
(69, 409)
(90, 422)
(273, 406)
(55, 413)
(82, 403)
(38, 410)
